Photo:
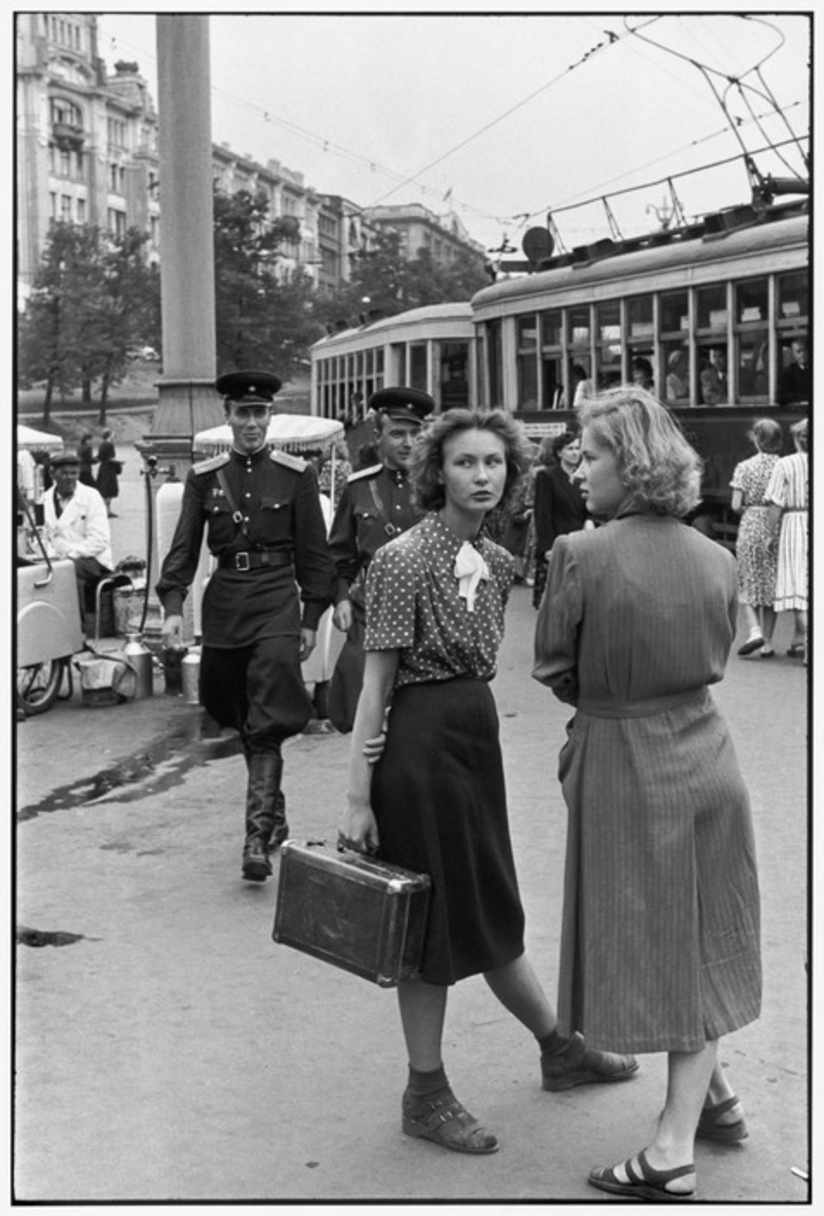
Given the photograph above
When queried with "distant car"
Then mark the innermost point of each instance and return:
(142, 352)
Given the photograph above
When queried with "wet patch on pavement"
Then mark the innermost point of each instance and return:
(158, 767)
(58, 937)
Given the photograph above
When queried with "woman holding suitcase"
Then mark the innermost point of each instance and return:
(434, 802)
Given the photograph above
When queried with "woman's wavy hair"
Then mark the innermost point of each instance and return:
(799, 432)
(427, 454)
(657, 465)
(766, 435)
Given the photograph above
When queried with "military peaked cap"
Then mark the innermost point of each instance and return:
(247, 386)
(410, 404)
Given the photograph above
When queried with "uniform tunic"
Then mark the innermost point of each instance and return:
(789, 490)
(438, 790)
(756, 558)
(250, 675)
(660, 941)
(375, 506)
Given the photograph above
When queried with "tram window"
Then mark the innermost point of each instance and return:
(793, 297)
(551, 328)
(753, 364)
(578, 324)
(641, 367)
(417, 365)
(712, 374)
(454, 382)
(639, 316)
(677, 377)
(553, 382)
(379, 361)
(580, 380)
(527, 333)
(794, 376)
(712, 307)
(674, 312)
(527, 382)
(751, 301)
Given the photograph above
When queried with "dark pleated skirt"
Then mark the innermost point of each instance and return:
(439, 798)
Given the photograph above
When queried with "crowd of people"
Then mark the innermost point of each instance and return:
(660, 936)
(420, 585)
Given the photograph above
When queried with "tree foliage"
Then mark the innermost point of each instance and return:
(385, 282)
(263, 315)
(93, 298)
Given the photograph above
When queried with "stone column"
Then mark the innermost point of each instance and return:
(187, 401)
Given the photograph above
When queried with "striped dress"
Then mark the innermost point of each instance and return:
(660, 940)
(788, 489)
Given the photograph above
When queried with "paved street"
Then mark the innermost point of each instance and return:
(168, 1049)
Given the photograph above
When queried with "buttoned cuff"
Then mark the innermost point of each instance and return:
(173, 603)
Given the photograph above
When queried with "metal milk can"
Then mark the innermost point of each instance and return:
(190, 680)
(140, 660)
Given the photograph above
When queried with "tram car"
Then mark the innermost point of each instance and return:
(716, 313)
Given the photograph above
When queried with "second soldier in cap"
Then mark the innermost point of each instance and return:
(375, 506)
(266, 529)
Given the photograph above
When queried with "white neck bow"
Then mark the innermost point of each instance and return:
(470, 568)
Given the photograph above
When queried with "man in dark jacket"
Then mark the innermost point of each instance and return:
(266, 529)
(376, 505)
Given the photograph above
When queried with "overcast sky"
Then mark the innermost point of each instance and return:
(512, 114)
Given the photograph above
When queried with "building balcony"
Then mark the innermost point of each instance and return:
(67, 135)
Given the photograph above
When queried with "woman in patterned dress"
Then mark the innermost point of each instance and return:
(755, 546)
(660, 940)
(435, 800)
(788, 493)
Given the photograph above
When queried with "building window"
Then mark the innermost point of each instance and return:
(81, 211)
(66, 208)
(116, 222)
(53, 204)
(65, 112)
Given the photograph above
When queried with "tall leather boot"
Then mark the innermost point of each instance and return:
(280, 828)
(264, 778)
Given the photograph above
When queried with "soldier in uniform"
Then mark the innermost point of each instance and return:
(375, 505)
(266, 529)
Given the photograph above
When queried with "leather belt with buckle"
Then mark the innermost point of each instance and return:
(253, 559)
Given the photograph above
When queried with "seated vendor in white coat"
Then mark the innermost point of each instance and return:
(76, 526)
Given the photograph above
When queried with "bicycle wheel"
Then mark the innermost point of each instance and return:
(38, 686)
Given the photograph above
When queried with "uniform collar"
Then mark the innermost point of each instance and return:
(399, 476)
(245, 457)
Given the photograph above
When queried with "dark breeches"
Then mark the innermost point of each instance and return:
(256, 689)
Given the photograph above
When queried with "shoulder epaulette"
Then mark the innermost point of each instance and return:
(287, 459)
(370, 472)
(214, 462)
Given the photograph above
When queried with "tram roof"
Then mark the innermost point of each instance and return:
(608, 260)
(433, 313)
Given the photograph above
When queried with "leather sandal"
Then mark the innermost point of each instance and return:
(576, 1064)
(649, 1184)
(441, 1118)
(710, 1126)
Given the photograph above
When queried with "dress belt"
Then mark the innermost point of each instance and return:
(253, 559)
(643, 708)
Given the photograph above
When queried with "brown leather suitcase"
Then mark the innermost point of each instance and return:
(363, 915)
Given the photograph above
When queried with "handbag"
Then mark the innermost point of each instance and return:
(117, 467)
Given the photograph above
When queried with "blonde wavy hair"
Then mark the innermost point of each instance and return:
(657, 465)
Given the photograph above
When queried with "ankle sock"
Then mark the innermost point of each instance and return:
(421, 1084)
(552, 1042)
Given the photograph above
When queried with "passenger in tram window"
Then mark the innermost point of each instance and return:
(580, 385)
(677, 382)
(795, 377)
(642, 373)
(713, 377)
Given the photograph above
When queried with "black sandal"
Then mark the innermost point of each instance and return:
(649, 1184)
(711, 1128)
(443, 1119)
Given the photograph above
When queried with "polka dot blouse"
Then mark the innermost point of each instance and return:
(413, 605)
